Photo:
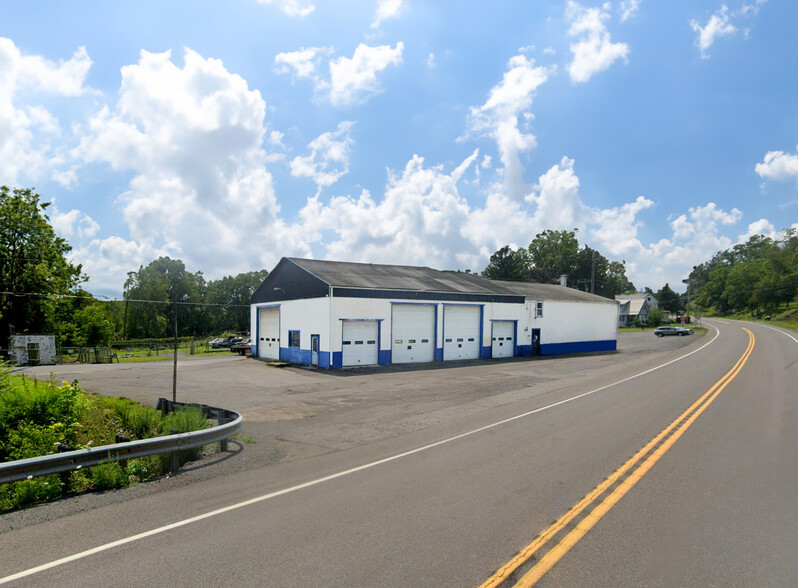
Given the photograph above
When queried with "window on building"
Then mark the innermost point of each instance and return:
(538, 309)
(293, 338)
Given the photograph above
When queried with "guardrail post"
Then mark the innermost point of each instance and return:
(175, 455)
(223, 443)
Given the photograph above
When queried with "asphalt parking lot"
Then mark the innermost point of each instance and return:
(294, 413)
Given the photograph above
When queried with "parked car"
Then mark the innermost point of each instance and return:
(242, 347)
(220, 342)
(665, 331)
(214, 342)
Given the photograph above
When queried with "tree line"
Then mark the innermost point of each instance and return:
(555, 253)
(758, 277)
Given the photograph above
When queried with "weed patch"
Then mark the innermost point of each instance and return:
(41, 418)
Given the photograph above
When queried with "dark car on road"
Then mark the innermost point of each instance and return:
(665, 331)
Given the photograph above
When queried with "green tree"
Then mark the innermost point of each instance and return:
(149, 292)
(656, 317)
(760, 275)
(553, 253)
(34, 269)
(617, 282)
(507, 264)
(668, 299)
(233, 294)
(94, 327)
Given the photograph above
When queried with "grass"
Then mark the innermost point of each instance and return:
(140, 355)
(787, 319)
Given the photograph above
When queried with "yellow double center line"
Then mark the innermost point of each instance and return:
(661, 442)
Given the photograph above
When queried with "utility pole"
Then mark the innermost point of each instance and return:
(174, 371)
(593, 272)
(124, 322)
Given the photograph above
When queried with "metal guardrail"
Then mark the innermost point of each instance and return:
(230, 423)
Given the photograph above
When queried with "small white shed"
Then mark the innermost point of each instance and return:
(32, 349)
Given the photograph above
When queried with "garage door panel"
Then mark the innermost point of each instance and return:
(413, 333)
(359, 343)
(461, 327)
(503, 339)
(269, 333)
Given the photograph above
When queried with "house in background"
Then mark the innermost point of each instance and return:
(337, 314)
(634, 306)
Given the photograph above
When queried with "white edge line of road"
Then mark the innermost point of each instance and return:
(207, 515)
(785, 333)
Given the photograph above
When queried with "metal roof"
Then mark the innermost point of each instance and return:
(372, 276)
(393, 277)
(535, 291)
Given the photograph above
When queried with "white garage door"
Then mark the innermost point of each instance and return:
(269, 332)
(502, 338)
(359, 343)
(413, 332)
(461, 332)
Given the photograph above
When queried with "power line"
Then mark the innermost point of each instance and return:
(108, 299)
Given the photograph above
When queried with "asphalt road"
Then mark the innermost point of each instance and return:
(447, 476)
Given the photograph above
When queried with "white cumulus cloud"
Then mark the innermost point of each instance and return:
(718, 25)
(386, 9)
(292, 7)
(594, 50)
(498, 118)
(303, 63)
(26, 130)
(73, 224)
(778, 165)
(351, 80)
(328, 160)
(192, 137)
(628, 9)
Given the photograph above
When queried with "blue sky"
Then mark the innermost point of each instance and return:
(400, 131)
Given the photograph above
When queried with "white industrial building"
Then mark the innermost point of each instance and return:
(336, 314)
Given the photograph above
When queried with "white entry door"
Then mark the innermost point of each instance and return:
(503, 343)
(461, 332)
(359, 343)
(269, 332)
(413, 333)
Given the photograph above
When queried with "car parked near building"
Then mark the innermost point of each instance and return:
(242, 346)
(665, 331)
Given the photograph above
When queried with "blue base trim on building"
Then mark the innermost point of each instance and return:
(324, 360)
(335, 359)
(296, 355)
(523, 350)
(578, 347)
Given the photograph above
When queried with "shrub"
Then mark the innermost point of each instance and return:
(139, 422)
(27, 492)
(39, 418)
(108, 475)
